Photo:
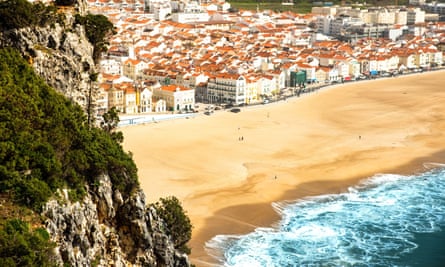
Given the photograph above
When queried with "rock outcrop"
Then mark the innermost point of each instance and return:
(61, 55)
(106, 230)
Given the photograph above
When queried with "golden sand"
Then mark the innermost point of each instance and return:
(313, 144)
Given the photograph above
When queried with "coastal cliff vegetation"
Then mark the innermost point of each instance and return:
(18, 14)
(46, 144)
(48, 148)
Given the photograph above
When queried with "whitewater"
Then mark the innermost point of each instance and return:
(387, 220)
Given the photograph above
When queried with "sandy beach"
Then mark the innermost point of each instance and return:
(227, 168)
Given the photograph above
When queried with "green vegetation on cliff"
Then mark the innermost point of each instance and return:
(97, 28)
(176, 221)
(22, 246)
(16, 14)
(45, 141)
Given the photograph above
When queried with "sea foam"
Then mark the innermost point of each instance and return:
(373, 224)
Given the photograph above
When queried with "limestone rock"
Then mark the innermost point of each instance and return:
(61, 55)
(103, 230)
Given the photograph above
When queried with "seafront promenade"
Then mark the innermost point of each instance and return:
(129, 120)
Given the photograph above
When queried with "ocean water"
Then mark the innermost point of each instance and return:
(388, 220)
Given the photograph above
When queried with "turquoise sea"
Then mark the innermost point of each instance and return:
(388, 220)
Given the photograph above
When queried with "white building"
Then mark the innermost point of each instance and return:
(415, 15)
(111, 66)
(324, 11)
(192, 13)
(227, 88)
(145, 100)
(176, 97)
(161, 9)
(324, 24)
(401, 17)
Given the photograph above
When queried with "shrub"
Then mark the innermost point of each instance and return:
(18, 14)
(45, 141)
(97, 28)
(21, 246)
(177, 222)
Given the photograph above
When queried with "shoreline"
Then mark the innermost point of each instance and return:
(319, 143)
(271, 217)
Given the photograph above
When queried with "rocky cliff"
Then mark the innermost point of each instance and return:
(60, 54)
(106, 230)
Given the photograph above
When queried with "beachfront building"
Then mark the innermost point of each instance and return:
(267, 85)
(227, 88)
(252, 93)
(116, 98)
(321, 74)
(176, 97)
(160, 106)
(342, 68)
(422, 58)
(332, 75)
(144, 100)
(407, 58)
(353, 68)
(310, 71)
(436, 58)
(287, 69)
(101, 100)
(279, 77)
(130, 103)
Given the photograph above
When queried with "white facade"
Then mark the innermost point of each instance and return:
(110, 66)
(130, 105)
(145, 100)
(267, 85)
(177, 98)
(324, 23)
(324, 11)
(160, 106)
(415, 15)
(401, 17)
(160, 8)
(354, 68)
(193, 12)
(227, 88)
(190, 17)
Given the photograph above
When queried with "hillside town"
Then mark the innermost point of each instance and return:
(168, 56)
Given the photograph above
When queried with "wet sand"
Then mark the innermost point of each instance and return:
(317, 143)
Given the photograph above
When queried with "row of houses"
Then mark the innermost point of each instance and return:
(142, 97)
(165, 92)
(242, 58)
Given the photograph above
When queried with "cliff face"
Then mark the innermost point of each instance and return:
(106, 230)
(103, 229)
(59, 54)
